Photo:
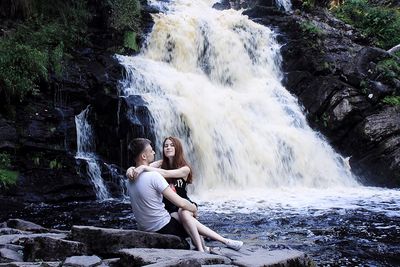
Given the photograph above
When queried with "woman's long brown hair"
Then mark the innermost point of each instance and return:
(178, 160)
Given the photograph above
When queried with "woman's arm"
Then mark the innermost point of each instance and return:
(156, 164)
(182, 172)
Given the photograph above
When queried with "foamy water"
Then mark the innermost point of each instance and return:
(302, 200)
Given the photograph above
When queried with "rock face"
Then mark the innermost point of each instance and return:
(333, 71)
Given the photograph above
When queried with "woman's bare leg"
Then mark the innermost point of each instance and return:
(195, 226)
(189, 223)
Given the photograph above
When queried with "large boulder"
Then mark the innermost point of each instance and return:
(104, 241)
(51, 249)
(168, 257)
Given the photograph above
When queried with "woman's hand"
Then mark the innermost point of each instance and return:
(137, 171)
(129, 173)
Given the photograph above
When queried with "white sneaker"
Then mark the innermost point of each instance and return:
(234, 244)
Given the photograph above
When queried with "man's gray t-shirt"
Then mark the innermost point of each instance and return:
(146, 200)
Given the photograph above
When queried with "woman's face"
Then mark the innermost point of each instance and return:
(169, 149)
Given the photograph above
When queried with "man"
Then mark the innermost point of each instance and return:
(146, 193)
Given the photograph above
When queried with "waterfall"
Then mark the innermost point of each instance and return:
(284, 4)
(86, 151)
(212, 78)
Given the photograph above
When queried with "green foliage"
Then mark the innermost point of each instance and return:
(38, 45)
(55, 164)
(390, 68)
(21, 66)
(7, 177)
(5, 161)
(392, 100)
(381, 24)
(130, 41)
(309, 27)
(125, 14)
(308, 4)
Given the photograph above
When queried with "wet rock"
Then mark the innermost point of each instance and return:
(256, 256)
(377, 145)
(11, 231)
(8, 134)
(20, 239)
(104, 241)
(31, 264)
(82, 261)
(8, 255)
(49, 249)
(168, 257)
(26, 226)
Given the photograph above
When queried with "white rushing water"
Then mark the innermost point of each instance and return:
(86, 151)
(212, 78)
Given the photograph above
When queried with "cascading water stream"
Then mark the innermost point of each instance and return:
(212, 78)
(86, 151)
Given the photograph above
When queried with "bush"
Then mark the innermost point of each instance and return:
(125, 14)
(381, 24)
(310, 28)
(390, 68)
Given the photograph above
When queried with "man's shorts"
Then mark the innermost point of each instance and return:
(174, 228)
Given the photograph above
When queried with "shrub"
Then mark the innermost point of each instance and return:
(390, 68)
(125, 14)
(310, 28)
(381, 24)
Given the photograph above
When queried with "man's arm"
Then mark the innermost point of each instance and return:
(179, 201)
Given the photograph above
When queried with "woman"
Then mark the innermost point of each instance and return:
(177, 172)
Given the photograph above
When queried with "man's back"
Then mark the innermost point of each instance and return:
(146, 200)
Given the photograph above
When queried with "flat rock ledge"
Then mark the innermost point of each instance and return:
(24, 244)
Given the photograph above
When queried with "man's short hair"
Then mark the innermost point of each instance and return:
(137, 146)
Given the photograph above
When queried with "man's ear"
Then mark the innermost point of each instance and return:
(143, 156)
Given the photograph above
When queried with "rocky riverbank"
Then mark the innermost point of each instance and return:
(24, 243)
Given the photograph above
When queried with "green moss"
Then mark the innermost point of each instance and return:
(130, 41)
